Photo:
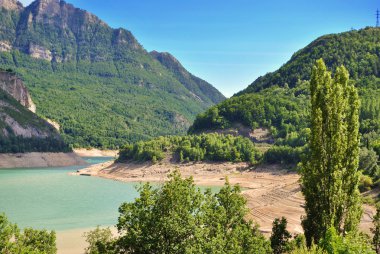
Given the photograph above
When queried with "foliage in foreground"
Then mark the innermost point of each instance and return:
(331, 243)
(211, 147)
(280, 236)
(98, 240)
(376, 230)
(30, 241)
(330, 175)
(179, 218)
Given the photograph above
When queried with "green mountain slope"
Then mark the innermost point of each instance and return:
(98, 83)
(358, 51)
(279, 100)
(20, 129)
(203, 90)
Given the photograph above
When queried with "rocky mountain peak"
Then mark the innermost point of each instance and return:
(50, 7)
(166, 57)
(11, 5)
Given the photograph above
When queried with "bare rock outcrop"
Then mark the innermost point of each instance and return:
(5, 46)
(11, 5)
(14, 86)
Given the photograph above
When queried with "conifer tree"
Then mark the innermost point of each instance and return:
(330, 173)
(280, 236)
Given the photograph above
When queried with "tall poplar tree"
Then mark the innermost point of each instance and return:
(330, 175)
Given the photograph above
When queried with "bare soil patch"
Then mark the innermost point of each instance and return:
(271, 191)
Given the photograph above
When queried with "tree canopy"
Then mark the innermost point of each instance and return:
(329, 174)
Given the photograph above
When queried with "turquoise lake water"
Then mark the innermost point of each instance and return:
(51, 199)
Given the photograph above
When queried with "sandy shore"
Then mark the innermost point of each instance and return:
(271, 191)
(95, 152)
(73, 241)
(34, 160)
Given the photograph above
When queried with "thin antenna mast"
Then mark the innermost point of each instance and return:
(377, 17)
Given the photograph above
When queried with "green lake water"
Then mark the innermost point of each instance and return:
(49, 198)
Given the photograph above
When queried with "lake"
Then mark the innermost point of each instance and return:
(50, 198)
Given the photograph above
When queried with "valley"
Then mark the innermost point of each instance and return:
(97, 130)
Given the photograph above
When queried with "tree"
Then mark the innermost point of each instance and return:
(100, 241)
(353, 242)
(376, 230)
(30, 241)
(329, 174)
(280, 236)
(178, 218)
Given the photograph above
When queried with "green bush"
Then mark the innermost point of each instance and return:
(365, 184)
(283, 155)
(179, 218)
(32, 241)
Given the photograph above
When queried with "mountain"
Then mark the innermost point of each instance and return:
(357, 50)
(203, 90)
(15, 87)
(279, 101)
(20, 129)
(98, 83)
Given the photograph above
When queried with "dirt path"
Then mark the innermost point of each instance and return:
(271, 192)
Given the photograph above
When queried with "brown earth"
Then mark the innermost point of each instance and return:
(95, 152)
(271, 191)
(34, 160)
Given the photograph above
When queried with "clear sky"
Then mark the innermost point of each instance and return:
(231, 43)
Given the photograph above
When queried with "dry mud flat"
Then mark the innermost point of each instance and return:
(39, 160)
(271, 192)
(83, 152)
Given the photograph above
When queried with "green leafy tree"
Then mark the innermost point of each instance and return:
(334, 243)
(99, 241)
(280, 236)
(330, 174)
(178, 218)
(30, 241)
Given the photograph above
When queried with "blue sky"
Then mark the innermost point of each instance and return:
(231, 43)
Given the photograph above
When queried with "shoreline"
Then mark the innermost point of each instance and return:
(72, 241)
(40, 160)
(271, 191)
(84, 152)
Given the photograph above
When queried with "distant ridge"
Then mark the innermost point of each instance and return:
(279, 101)
(99, 83)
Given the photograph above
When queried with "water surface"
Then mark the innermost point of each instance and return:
(50, 198)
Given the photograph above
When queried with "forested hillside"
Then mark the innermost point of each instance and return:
(98, 83)
(23, 131)
(357, 50)
(280, 101)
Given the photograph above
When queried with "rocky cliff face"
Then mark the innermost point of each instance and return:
(20, 129)
(14, 86)
(13, 5)
(69, 34)
(99, 83)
